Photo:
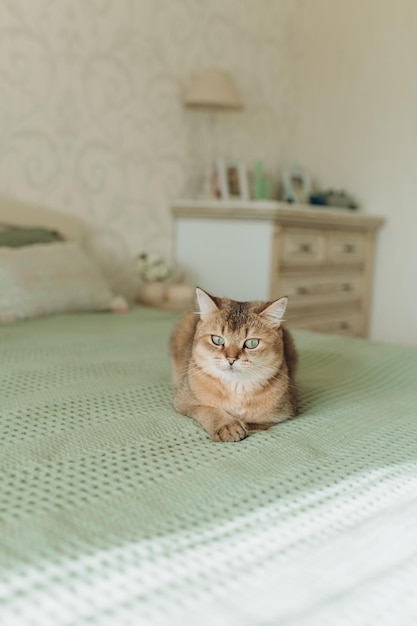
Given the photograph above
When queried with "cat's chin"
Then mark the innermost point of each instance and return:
(238, 375)
(226, 373)
(240, 381)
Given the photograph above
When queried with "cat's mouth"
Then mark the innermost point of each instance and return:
(232, 365)
(234, 369)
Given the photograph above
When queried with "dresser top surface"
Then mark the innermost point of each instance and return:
(280, 212)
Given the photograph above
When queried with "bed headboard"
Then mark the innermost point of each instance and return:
(18, 213)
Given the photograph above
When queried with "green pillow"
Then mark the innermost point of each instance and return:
(17, 236)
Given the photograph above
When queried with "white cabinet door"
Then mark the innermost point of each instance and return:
(226, 257)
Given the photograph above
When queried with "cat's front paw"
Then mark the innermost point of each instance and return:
(233, 431)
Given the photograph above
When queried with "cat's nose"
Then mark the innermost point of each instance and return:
(231, 359)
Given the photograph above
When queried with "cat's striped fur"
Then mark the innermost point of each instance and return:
(234, 366)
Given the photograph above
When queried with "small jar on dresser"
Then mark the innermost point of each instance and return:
(322, 259)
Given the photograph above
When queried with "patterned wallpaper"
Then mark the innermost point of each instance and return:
(91, 119)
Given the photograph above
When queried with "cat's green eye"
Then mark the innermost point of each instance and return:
(251, 343)
(218, 341)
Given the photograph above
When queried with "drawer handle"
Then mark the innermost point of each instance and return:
(302, 291)
(347, 287)
(349, 248)
(305, 247)
(344, 325)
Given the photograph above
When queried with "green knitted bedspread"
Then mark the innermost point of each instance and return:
(116, 511)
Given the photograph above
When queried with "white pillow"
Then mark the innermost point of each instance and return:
(50, 278)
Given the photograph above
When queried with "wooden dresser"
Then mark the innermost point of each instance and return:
(322, 259)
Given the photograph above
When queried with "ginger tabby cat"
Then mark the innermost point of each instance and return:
(234, 366)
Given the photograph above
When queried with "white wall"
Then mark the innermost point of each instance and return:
(91, 114)
(91, 119)
(355, 68)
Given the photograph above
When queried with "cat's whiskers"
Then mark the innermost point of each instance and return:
(194, 369)
(250, 377)
(282, 375)
(278, 375)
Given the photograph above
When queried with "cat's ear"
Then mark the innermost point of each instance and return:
(275, 311)
(205, 302)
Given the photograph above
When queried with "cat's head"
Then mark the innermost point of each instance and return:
(239, 341)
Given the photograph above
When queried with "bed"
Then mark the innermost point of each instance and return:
(115, 510)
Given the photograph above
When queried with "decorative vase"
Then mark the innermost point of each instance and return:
(152, 291)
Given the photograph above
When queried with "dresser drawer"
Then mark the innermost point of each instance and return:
(345, 247)
(317, 288)
(302, 247)
(350, 324)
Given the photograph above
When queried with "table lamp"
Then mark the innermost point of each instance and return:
(213, 90)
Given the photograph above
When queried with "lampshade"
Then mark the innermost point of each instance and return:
(213, 88)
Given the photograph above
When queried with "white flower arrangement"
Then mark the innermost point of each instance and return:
(152, 267)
